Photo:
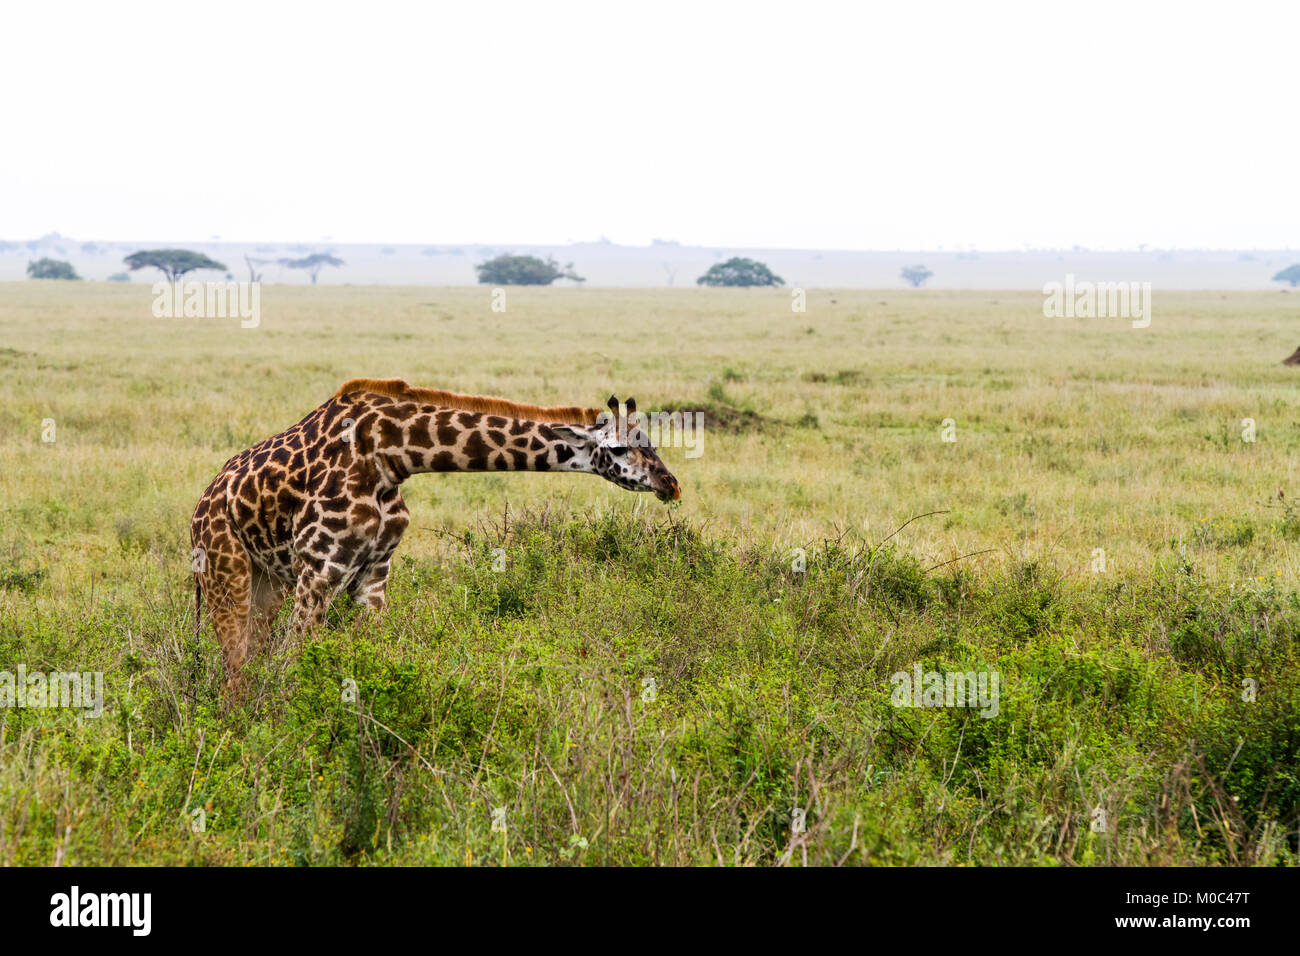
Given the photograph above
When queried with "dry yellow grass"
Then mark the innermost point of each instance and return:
(1071, 435)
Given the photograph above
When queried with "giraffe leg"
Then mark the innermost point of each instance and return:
(230, 605)
(370, 587)
(226, 579)
(269, 594)
(311, 600)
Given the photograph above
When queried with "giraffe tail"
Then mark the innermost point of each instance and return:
(198, 610)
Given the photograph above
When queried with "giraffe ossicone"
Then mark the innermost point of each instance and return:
(317, 509)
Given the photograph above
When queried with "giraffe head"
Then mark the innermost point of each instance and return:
(620, 452)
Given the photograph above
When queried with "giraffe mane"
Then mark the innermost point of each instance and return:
(397, 388)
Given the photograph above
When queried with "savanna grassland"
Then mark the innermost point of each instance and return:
(1106, 540)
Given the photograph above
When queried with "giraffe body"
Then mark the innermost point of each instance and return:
(317, 509)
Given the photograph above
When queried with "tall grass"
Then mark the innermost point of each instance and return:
(630, 690)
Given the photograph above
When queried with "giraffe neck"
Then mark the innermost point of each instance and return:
(409, 439)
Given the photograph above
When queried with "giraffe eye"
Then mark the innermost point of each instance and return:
(618, 450)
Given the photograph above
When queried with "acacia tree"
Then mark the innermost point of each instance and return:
(1290, 275)
(174, 263)
(916, 275)
(739, 272)
(524, 270)
(253, 274)
(48, 268)
(313, 263)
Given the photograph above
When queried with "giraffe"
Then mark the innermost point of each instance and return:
(318, 509)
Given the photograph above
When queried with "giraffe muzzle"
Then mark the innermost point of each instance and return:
(671, 490)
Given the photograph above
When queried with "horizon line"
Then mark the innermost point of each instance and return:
(659, 244)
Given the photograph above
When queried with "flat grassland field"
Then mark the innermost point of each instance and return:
(1116, 542)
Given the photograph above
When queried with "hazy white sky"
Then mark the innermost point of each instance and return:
(796, 124)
